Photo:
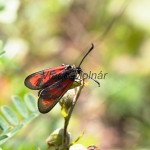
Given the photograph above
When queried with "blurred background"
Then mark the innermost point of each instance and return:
(43, 34)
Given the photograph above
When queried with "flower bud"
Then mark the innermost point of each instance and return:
(68, 98)
(55, 138)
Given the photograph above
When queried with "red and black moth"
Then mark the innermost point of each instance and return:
(53, 83)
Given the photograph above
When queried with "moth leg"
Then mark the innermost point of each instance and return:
(78, 81)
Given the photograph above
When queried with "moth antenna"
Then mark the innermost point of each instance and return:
(92, 47)
(94, 80)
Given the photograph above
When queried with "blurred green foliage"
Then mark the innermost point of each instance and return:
(41, 34)
(11, 124)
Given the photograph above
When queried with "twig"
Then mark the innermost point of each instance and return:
(67, 119)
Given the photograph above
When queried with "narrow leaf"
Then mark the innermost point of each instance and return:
(12, 118)
(77, 138)
(10, 115)
(30, 102)
(3, 137)
(64, 110)
(6, 131)
(3, 124)
(20, 106)
(87, 83)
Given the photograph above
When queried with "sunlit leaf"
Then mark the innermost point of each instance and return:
(87, 83)
(78, 138)
(7, 129)
(15, 130)
(3, 124)
(30, 102)
(20, 106)
(10, 115)
(3, 137)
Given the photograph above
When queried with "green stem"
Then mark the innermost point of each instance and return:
(67, 119)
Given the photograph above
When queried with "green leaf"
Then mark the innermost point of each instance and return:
(64, 110)
(30, 102)
(20, 106)
(3, 139)
(77, 138)
(1, 53)
(10, 115)
(15, 130)
(3, 124)
(7, 130)
(30, 118)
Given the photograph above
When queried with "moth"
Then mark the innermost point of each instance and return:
(53, 83)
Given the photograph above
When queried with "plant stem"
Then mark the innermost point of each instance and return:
(67, 119)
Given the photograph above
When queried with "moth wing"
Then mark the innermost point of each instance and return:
(44, 78)
(50, 96)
